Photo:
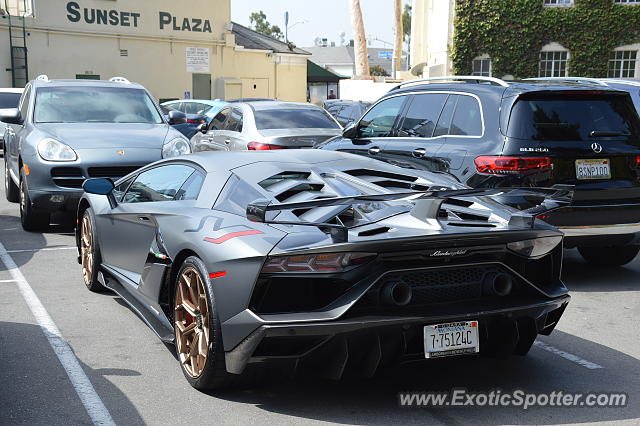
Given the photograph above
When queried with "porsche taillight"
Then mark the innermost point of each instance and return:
(499, 165)
(316, 263)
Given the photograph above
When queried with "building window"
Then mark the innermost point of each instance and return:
(558, 2)
(623, 64)
(626, 1)
(481, 66)
(553, 64)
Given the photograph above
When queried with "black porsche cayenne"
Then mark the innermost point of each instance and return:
(490, 133)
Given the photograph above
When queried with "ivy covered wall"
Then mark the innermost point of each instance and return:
(512, 33)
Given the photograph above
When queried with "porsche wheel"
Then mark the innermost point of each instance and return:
(90, 252)
(11, 190)
(197, 329)
(31, 219)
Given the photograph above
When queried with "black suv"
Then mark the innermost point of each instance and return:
(490, 133)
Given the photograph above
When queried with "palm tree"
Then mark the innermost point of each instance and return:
(359, 41)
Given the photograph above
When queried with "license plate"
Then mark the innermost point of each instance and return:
(593, 169)
(452, 338)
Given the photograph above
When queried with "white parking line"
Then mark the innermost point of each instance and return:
(568, 356)
(90, 399)
(7, 281)
(43, 249)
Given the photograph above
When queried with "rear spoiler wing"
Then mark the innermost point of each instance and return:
(427, 204)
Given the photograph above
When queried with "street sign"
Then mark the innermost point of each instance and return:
(187, 95)
(385, 54)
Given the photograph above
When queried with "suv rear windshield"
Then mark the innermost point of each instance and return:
(573, 117)
(9, 100)
(94, 104)
(294, 118)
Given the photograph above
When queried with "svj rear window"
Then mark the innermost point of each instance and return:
(573, 117)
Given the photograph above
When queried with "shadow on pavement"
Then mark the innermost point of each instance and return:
(375, 401)
(35, 389)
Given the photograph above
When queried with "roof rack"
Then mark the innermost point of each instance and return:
(595, 81)
(119, 80)
(42, 77)
(469, 78)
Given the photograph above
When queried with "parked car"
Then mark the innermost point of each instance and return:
(490, 133)
(346, 112)
(9, 98)
(65, 131)
(265, 125)
(208, 108)
(190, 125)
(319, 261)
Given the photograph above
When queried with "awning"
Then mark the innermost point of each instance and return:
(315, 73)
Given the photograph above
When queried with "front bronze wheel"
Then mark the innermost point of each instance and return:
(89, 252)
(191, 322)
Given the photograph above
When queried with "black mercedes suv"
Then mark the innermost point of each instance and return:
(490, 133)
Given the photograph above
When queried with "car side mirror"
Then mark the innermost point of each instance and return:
(351, 131)
(177, 117)
(202, 128)
(101, 186)
(12, 116)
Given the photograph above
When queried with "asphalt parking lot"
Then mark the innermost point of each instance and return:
(138, 381)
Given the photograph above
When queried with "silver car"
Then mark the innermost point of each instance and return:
(65, 131)
(266, 125)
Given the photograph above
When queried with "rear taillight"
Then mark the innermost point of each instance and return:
(498, 165)
(637, 162)
(259, 146)
(318, 263)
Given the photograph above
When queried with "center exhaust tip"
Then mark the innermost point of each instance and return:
(497, 284)
(397, 294)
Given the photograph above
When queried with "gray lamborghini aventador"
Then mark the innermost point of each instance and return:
(320, 262)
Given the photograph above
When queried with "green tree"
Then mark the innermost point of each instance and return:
(378, 71)
(260, 24)
(406, 23)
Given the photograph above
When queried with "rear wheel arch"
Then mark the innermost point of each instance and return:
(167, 290)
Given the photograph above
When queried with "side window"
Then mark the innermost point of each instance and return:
(219, 119)
(379, 120)
(119, 190)
(444, 122)
(158, 184)
(467, 120)
(24, 103)
(191, 188)
(234, 122)
(422, 115)
(345, 114)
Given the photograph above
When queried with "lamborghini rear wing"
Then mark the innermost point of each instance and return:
(426, 204)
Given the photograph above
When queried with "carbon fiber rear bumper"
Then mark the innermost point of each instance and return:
(373, 341)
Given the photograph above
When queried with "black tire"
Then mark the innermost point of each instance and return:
(90, 261)
(609, 256)
(32, 220)
(11, 190)
(214, 375)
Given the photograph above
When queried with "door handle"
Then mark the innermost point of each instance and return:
(227, 141)
(419, 152)
(374, 150)
(143, 219)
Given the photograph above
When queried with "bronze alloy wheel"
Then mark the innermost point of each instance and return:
(191, 318)
(86, 249)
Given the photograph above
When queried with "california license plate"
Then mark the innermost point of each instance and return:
(452, 338)
(593, 169)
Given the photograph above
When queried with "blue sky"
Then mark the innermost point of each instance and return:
(326, 18)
